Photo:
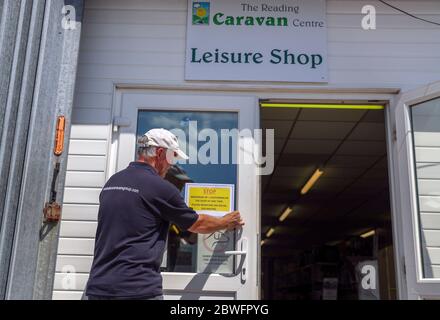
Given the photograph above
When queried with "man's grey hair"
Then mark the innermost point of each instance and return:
(143, 148)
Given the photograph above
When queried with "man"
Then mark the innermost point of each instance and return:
(136, 207)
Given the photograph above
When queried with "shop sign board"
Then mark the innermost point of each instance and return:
(257, 40)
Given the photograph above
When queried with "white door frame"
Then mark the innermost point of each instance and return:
(127, 103)
(395, 202)
(418, 287)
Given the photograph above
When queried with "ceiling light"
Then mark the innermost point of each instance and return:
(368, 234)
(285, 214)
(309, 184)
(270, 232)
(263, 242)
(323, 106)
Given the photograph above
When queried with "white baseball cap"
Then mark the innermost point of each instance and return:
(160, 137)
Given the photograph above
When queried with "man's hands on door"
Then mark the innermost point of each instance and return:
(233, 220)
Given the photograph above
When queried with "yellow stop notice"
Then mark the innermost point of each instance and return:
(209, 198)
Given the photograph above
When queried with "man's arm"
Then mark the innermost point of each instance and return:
(209, 224)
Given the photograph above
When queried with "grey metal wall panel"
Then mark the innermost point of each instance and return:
(8, 27)
(14, 117)
(38, 59)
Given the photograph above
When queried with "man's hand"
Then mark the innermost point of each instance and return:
(232, 220)
(209, 224)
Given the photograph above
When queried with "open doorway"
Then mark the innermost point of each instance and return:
(326, 218)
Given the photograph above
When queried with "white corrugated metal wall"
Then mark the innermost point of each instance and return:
(144, 41)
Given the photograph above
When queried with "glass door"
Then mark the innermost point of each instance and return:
(417, 117)
(210, 128)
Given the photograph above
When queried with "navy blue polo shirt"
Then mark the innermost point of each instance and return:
(136, 208)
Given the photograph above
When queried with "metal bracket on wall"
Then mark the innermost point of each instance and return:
(52, 212)
(52, 209)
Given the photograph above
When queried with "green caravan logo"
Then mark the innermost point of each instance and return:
(200, 13)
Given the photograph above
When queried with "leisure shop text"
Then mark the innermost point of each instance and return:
(276, 56)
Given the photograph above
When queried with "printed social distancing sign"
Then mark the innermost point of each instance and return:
(257, 40)
(216, 200)
(213, 199)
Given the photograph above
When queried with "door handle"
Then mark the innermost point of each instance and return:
(242, 252)
(235, 253)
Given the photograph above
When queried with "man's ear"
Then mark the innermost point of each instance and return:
(159, 152)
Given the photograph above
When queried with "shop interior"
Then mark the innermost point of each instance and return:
(326, 219)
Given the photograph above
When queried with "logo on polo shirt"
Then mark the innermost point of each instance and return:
(121, 189)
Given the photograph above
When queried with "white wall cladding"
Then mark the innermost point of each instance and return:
(144, 42)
